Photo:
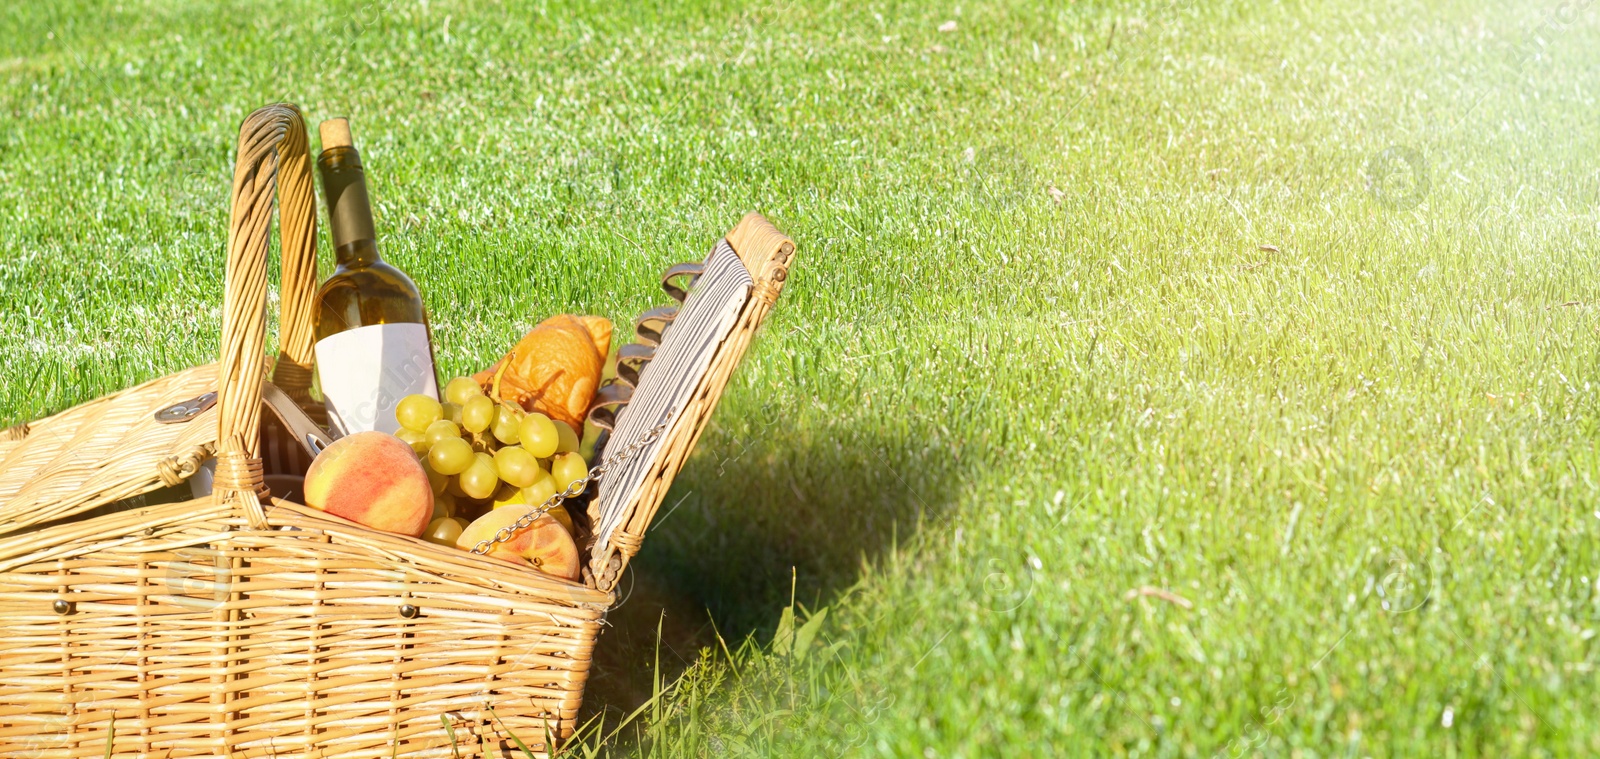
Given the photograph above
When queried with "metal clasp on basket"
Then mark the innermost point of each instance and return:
(183, 411)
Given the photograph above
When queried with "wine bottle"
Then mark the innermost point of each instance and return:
(373, 345)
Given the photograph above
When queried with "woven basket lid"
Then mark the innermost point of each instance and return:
(736, 288)
(105, 450)
(133, 442)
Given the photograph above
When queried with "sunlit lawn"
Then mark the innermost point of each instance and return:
(1158, 379)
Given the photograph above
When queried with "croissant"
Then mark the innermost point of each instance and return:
(555, 368)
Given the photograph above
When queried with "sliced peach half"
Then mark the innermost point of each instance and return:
(544, 545)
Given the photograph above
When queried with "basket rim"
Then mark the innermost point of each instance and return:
(56, 543)
(449, 552)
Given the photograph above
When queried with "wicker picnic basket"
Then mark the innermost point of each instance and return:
(242, 625)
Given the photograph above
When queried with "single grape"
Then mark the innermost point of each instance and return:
(477, 414)
(540, 491)
(538, 435)
(451, 456)
(567, 469)
(506, 421)
(416, 412)
(480, 477)
(568, 440)
(452, 412)
(444, 429)
(517, 466)
(443, 531)
(417, 440)
(462, 389)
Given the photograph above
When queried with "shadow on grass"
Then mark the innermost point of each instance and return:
(750, 520)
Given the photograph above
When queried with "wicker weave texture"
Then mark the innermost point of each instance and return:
(205, 637)
(105, 450)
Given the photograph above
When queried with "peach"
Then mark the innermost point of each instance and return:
(373, 479)
(544, 545)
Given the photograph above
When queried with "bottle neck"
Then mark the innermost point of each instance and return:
(344, 185)
(357, 254)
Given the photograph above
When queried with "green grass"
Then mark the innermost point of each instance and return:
(1356, 470)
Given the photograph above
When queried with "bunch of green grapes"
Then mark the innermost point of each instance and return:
(480, 454)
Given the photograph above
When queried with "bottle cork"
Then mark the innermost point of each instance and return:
(336, 133)
(344, 184)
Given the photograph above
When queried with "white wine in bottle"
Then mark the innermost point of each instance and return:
(373, 347)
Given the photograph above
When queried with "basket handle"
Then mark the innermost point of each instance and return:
(272, 145)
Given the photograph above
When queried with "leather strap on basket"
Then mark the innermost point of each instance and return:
(631, 359)
(273, 159)
(650, 325)
(674, 290)
(610, 400)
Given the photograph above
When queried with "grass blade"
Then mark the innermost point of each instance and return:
(808, 634)
(111, 736)
(450, 730)
(514, 739)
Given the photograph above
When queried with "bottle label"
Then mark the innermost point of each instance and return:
(364, 372)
